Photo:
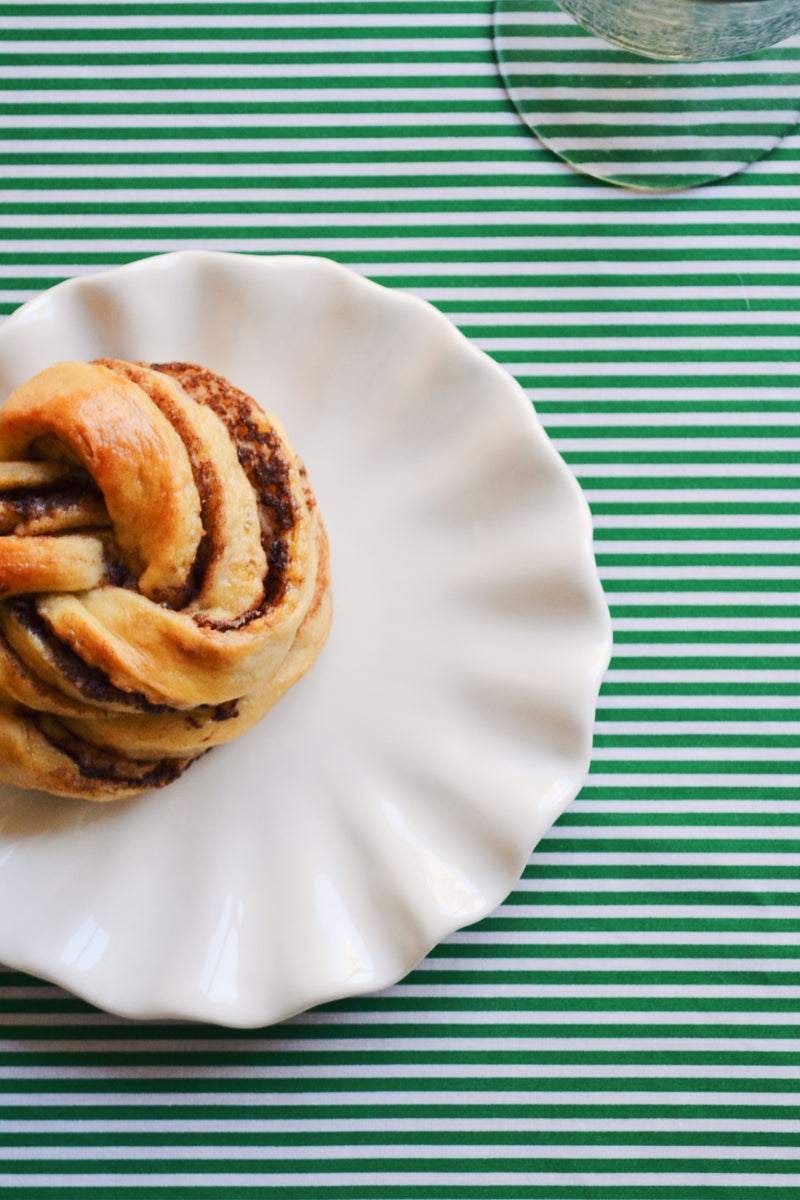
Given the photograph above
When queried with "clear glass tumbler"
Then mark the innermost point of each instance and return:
(688, 30)
(655, 95)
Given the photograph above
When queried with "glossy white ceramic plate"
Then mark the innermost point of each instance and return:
(397, 791)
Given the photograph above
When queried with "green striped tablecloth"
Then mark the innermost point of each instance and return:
(625, 1027)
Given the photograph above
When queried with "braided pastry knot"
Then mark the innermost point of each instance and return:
(163, 573)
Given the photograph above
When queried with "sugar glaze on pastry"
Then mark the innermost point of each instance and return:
(164, 573)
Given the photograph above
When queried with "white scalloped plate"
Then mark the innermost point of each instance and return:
(396, 792)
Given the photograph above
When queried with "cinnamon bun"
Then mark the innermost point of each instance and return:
(164, 573)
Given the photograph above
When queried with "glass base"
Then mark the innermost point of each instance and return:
(636, 122)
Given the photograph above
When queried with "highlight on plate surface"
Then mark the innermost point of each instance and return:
(164, 573)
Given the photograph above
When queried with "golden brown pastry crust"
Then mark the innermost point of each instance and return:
(164, 573)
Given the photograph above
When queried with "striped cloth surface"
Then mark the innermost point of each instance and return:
(626, 1025)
